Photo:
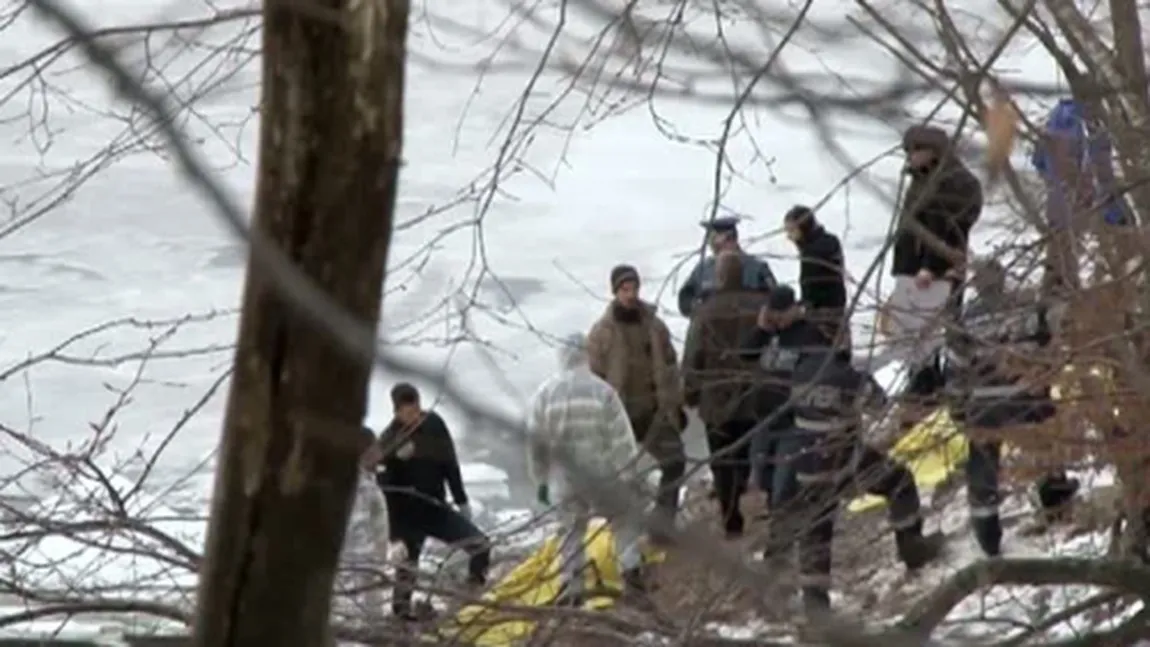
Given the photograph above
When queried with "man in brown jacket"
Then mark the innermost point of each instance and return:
(630, 347)
(719, 381)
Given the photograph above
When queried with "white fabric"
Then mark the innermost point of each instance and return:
(915, 320)
(366, 537)
(580, 412)
(365, 550)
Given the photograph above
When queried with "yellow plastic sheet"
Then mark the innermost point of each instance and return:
(935, 448)
(535, 582)
(932, 450)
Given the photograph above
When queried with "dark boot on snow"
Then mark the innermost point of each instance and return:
(816, 601)
(916, 549)
(1056, 498)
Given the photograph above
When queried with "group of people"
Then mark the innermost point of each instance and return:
(784, 401)
(771, 373)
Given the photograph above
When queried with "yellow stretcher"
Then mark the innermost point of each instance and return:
(535, 582)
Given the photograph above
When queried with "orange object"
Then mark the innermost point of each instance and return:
(1001, 123)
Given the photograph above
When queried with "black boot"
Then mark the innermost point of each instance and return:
(988, 533)
(917, 550)
(1055, 495)
(816, 601)
(734, 525)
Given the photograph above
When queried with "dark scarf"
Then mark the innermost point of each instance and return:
(626, 315)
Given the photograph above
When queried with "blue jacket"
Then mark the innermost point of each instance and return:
(757, 277)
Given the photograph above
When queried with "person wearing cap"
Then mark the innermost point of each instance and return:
(719, 380)
(822, 278)
(781, 334)
(630, 347)
(418, 459)
(723, 235)
(941, 205)
(581, 413)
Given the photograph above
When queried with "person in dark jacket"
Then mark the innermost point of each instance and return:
(829, 456)
(780, 336)
(822, 280)
(989, 391)
(942, 202)
(723, 236)
(418, 459)
(718, 379)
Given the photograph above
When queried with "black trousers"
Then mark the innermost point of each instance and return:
(984, 498)
(660, 436)
(423, 521)
(730, 449)
(808, 513)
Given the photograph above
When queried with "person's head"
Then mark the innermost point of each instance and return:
(924, 146)
(625, 285)
(783, 306)
(372, 452)
(722, 234)
(405, 403)
(573, 351)
(799, 222)
(728, 270)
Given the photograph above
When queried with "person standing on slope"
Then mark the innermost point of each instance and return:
(990, 366)
(939, 209)
(580, 412)
(630, 347)
(722, 235)
(780, 336)
(418, 458)
(830, 457)
(822, 274)
(718, 380)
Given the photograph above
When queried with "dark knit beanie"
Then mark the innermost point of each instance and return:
(620, 274)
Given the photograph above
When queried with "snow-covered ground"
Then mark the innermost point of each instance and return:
(608, 177)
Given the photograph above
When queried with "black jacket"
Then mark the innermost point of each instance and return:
(821, 279)
(777, 352)
(417, 464)
(945, 199)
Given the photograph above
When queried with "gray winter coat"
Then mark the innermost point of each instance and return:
(757, 277)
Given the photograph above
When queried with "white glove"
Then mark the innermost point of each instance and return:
(465, 511)
(397, 552)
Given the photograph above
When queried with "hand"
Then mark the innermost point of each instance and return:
(464, 510)
(923, 279)
(396, 552)
(543, 495)
(764, 321)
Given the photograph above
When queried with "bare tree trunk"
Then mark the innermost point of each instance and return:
(330, 140)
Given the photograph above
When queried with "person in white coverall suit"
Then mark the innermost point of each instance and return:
(582, 413)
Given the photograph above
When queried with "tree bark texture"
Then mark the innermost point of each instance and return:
(330, 144)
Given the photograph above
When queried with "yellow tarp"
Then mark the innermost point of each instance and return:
(935, 448)
(535, 582)
(932, 450)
